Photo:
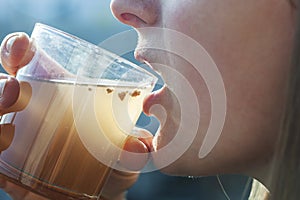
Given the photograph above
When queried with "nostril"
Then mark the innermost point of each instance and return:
(136, 13)
(132, 19)
(127, 16)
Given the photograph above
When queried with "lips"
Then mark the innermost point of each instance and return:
(152, 58)
(141, 58)
(139, 55)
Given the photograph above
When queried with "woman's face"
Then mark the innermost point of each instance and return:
(250, 42)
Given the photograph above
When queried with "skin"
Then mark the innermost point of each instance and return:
(251, 44)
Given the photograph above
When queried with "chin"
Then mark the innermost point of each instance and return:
(185, 168)
(188, 164)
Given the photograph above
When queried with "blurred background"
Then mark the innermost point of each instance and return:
(93, 21)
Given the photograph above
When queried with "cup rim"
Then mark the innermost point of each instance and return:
(78, 42)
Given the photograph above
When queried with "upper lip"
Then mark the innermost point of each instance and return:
(141, 57)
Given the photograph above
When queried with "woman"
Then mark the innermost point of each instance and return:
(251, 43)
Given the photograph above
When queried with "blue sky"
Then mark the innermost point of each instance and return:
(90, 20)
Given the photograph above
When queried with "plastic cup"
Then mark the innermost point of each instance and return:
(77, 105)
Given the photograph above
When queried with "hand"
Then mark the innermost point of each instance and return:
(16, 51)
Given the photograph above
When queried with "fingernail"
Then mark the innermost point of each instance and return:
(10, 42)
(2, 86)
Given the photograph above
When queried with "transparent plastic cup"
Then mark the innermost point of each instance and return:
(77, 105)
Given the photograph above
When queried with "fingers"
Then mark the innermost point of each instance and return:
(135, 154)
(9, 91)
(134, 157)
(117, 184)
(18, 193)
(16, 51)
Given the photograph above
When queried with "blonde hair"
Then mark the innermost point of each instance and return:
(258, 191)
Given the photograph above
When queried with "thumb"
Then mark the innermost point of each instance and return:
(136, 151)
(16, 51)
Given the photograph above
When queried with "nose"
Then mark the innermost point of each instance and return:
(136, 13)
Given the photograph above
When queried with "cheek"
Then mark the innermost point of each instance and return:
(251, 53)
(255, 69)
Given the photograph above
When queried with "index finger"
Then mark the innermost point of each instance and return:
(16, 51)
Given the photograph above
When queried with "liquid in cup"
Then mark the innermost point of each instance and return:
(47, 154)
